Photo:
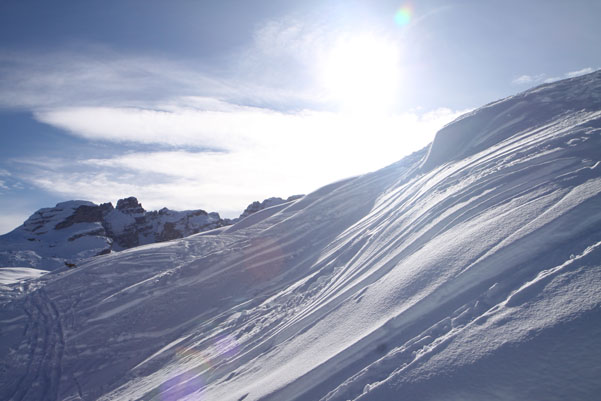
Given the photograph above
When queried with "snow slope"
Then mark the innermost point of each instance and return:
(467, 271)
(11, 275)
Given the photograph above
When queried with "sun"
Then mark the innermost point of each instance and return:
(361, 73)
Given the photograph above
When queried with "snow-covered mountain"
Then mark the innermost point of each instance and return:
(76, 230)
(470, 270)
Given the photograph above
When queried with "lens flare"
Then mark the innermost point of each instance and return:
(193, 366)
(227, 346)
(181, 386)
(403, 15)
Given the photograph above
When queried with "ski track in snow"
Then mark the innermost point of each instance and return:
(44, 335)
(399, 284)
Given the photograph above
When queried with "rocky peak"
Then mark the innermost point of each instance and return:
(130, 206)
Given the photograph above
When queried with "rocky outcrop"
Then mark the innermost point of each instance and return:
(86, 214)
(130, 206)
(269, 202)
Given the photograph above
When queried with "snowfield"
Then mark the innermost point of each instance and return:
(470, 270)
(11, 275)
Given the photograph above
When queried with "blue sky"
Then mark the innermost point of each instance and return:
(198, 104)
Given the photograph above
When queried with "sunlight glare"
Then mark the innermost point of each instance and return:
(361, 73)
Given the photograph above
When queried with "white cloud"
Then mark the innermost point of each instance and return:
(178, 180)
(284, 154)
(207, 128)
(528, 79)
(233, 128)
(523, 79)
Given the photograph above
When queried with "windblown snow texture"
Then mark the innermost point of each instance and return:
(467, 271)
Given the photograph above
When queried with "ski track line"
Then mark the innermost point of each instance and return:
(45, 337)
(32, 335)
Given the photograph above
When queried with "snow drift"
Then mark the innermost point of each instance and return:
(467, 271)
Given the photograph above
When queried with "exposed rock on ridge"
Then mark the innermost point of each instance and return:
(269, 202)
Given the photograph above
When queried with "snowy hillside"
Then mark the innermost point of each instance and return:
(11, 275)
(467, 271)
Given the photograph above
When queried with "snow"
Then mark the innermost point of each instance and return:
(467, 271)
(12, 275)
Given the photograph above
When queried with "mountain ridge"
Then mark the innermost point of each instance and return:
(75, 230)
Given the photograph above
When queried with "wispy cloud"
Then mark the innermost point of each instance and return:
(294, 153)
(231, 127)
(528, 79)
(101, 77)
(8, 181)
(292, 42)
(98, 77)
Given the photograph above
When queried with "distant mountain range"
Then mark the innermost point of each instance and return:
(76, 230)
